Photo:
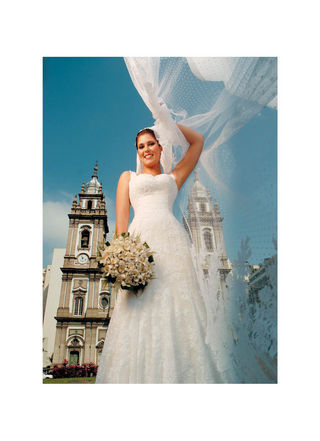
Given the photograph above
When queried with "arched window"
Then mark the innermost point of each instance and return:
(207, 236)
(78, 306)
(89, 206)
(85, 239)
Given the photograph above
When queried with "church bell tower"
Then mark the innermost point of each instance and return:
(203, 223)
(86, 300)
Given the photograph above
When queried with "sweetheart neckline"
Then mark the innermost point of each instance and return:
(160, 174)
(154, 176)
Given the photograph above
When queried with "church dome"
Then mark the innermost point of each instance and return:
(198, 189)
(93, 186)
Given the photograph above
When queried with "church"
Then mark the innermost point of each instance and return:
(203, 223)
(85, 301)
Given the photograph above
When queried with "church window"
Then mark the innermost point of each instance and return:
(78, 306)
(89, 206)
(207, 235)
(203, 207)
(85, 239)
(104, 302)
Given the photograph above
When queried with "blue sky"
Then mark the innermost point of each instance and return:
(92, 112)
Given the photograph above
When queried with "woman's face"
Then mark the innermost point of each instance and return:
(149, 150)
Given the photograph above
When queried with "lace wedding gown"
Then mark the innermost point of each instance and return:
(159, 337)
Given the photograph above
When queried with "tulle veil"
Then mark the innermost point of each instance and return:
(218, 97)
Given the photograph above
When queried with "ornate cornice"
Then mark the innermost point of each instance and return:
(71, 320)
(87, 214)
(79, 290)
(91, 195)
(81, 270)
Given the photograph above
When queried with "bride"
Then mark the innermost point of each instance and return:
(158, 337)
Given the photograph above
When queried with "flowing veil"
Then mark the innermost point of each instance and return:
(218, 97)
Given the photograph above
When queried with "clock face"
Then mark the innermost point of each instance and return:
(83, 258)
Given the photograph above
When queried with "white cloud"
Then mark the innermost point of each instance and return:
(55, 222)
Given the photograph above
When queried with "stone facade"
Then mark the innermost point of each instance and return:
(86, 299)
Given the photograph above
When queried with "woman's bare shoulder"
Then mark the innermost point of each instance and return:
(124, 179)
(125, 175)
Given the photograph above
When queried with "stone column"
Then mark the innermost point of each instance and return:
(87, 343)
(95, 237)
(93, 342)
(74, 238)
(90, 291)
(63, 290)
(68, 293)
(96, 292)
(70, 234)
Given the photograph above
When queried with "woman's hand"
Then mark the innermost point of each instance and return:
(189, 161)
(123, 203)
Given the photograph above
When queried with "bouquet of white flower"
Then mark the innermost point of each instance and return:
(127, 261)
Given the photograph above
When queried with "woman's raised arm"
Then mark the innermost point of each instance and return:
(123, 203)
(189, 161)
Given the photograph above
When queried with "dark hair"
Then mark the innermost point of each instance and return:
(150, 131)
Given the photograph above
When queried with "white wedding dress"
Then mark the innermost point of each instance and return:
(159, 337)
